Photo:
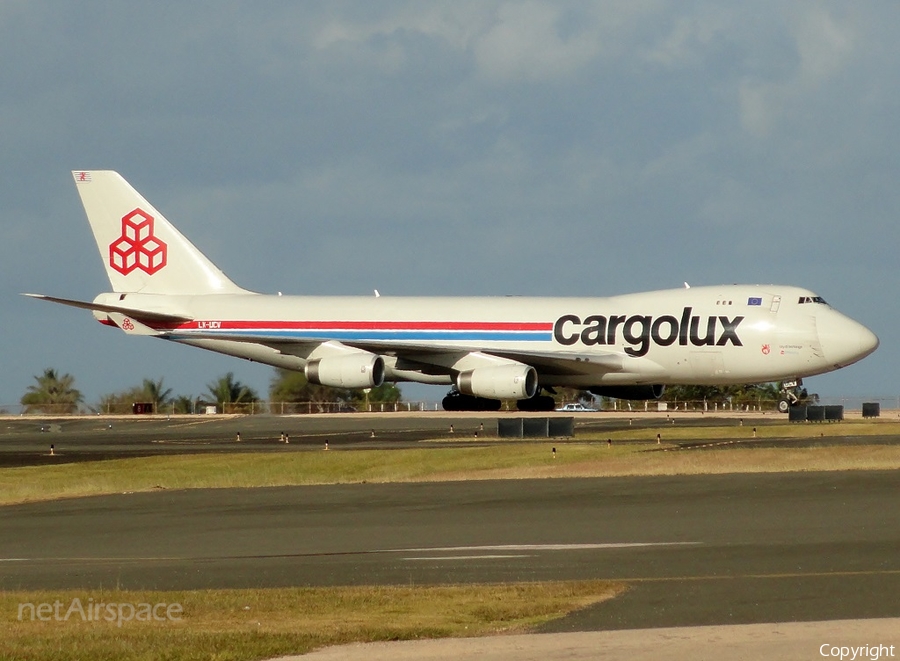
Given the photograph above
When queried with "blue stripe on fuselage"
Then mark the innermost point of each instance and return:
(356, 335)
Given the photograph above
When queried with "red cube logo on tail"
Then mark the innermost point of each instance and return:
(137, 248)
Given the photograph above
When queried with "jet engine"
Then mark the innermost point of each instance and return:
(354, 370)
(629, 392)
(502, 382)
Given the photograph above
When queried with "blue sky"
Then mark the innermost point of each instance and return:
(450, 148)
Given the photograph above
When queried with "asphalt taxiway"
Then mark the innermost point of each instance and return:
(699, 550)
(26, 441)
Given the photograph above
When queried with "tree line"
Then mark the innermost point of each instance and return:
(53, 392)
(739, 395)
(56, 393)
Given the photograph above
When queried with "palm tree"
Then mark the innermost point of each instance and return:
(52, 394)
(183, 404)
(226, 390)
(154, 392)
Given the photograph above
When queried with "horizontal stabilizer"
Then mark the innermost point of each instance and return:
(129, 312)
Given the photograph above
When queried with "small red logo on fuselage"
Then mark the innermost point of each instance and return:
(137, 248)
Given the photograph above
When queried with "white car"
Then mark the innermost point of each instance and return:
(575, 408)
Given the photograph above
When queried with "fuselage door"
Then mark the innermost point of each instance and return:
(709, 364)
(814, 343)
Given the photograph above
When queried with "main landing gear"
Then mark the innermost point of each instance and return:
(536, 403)
(456, 401)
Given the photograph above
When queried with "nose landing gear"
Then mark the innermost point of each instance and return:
(792, 394)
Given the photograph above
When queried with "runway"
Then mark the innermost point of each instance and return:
(694, 550)
(26, 442)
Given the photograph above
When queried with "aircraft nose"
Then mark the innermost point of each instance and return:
(868, 341)
(845, 341)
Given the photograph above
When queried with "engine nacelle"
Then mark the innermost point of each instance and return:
(654, 391)
(354, 370)
(501, 382)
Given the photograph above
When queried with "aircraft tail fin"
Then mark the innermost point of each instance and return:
(141, 250)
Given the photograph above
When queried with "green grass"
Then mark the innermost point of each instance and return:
(678, 430)
(32, 483)
(256, 624)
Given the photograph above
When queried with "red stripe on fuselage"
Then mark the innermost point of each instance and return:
(360, 325)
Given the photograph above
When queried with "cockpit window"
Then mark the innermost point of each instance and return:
(812, 299)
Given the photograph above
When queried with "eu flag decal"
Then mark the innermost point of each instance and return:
(753, 300)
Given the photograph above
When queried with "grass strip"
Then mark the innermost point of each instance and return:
(676, 429)
(42, 483)
(256, 624)
(590, 456)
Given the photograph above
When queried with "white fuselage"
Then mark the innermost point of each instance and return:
(702, 335)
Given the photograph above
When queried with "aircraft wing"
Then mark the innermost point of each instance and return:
(434, 355)
(566, 362)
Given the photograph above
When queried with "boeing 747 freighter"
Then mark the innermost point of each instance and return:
(487, 349)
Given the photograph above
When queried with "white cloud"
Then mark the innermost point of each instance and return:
(824, 46)
(688, 41)
(760, 105)
(526, 44)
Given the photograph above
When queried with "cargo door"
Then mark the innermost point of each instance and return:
(708, 364)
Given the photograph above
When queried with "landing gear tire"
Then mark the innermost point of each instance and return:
(459, 402)
(536, 403)
(784, 405)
